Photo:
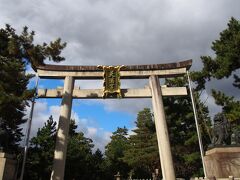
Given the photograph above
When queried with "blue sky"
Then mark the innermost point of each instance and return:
(108, 120)
(93, 110)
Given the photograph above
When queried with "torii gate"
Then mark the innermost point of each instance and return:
(154, 91)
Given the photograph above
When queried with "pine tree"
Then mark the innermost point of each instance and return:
(142, 154)
(115, 151)
(16, 51)
(13, 96)
(99, 168)
(81, 163)
(227, 60)
(40, 156)
(79, 155)
(231, 109)
(223, 65)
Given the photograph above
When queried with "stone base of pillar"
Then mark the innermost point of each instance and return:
(222, 162)
(7, 166)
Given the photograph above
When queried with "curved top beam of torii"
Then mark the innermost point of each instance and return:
(155, 91)
(127, 72)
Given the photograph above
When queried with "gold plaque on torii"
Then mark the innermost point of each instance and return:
(112, 84)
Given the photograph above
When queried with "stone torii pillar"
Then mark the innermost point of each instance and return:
(63, 129)
(161, 130)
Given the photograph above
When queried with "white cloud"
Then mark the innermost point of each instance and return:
(39, 116)
(127, 105)
(42, 112)
(92, 131)
(101, 140)
(123, 32)
(55, 112)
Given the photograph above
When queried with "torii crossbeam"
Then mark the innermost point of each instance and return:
(154, 91)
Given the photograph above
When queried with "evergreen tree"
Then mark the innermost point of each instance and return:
(224, 64)
(227, 60)
(80, 162)
(99, 168)
(115, 151)
(40, 156)
(142, 154)
(79, 155)
(231, 107)
(182, 131)
(16, 51)
(72, 128)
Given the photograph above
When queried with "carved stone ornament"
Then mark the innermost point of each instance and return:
(220, 130)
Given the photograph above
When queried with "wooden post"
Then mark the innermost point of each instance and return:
(161, 130)
(62, 132)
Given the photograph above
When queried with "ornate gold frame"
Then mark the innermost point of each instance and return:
(111, 84)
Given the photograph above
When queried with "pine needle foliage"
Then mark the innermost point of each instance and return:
(16, 52)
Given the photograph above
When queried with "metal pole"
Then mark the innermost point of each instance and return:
(197, 125)
(29, 129)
